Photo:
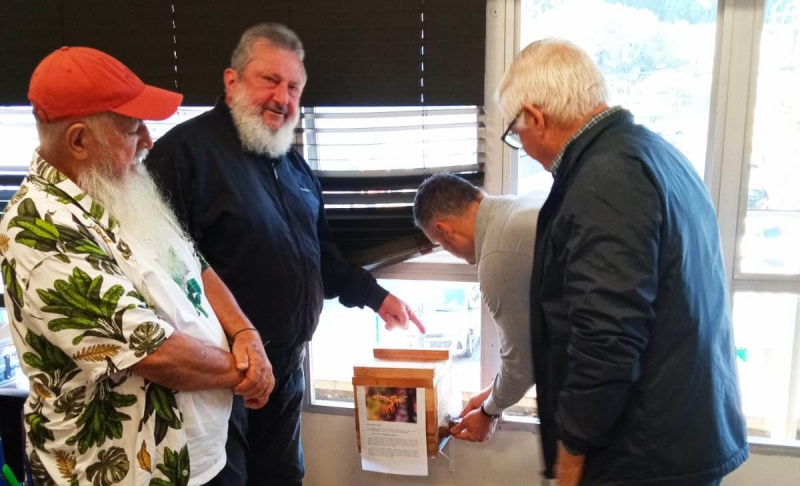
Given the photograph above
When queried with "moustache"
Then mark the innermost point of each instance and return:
(276, 107)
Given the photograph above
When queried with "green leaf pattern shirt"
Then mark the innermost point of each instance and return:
(87, 301)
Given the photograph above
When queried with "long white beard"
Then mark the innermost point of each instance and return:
(135, 201)
(255, 135)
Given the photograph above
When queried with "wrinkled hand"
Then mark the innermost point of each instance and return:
(397, 313)
(258, 381)
(474, 427)
(569, 468)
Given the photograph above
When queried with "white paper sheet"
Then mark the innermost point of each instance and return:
(392, 429)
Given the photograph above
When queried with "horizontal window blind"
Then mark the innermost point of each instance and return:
(371, 215)
(358, 52)
(370, 162)
(384, 138)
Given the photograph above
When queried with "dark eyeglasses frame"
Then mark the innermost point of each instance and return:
(510, 137)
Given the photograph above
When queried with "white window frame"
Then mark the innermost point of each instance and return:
(740, 23)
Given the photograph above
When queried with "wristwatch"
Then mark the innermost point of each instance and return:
(487, 414)
(571, 451)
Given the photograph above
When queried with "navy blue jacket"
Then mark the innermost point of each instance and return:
(631, 330)
(260, 224)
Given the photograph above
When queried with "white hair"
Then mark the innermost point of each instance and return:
(255, 135)
(555, 75)
(135, 201)
(278, 35)
(50, 133)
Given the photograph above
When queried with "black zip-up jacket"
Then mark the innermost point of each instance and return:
(260, 224)
(631, 330)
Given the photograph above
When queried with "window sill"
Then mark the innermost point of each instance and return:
(757, 446)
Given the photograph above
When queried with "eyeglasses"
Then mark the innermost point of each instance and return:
(510, 137)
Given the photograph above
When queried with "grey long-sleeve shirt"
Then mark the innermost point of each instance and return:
(505, 233)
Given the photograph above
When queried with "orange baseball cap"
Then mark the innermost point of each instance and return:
(77, 81)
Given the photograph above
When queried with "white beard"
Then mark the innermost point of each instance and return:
(255, 135)
(134, 200)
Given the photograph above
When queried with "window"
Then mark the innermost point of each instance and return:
(17, 137)
(387, 142)
(772, 220)
(658, 59)
(450, 310)
(766, 276)
(387, 138)
(768, 355)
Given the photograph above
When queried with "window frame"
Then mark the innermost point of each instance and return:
(741, 24)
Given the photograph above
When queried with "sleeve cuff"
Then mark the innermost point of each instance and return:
(492, 408)
(489, 413)
(574, 451)
(204, 265)
(376, 297)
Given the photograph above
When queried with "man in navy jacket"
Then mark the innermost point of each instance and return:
(255, 209)
(630, 322)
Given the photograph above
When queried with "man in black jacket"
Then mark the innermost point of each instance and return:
(255, 209)
(630, 322)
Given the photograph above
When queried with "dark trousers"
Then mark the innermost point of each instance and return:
(263, 446)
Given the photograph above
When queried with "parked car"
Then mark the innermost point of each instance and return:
(453, 321)
(452, 318)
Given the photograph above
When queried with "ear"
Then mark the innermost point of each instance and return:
(443, 228)
(534, 117)
(78, 139)
(230, 77)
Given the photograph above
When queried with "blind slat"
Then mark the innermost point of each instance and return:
(29, 30)
(139, 34)
(206, 34)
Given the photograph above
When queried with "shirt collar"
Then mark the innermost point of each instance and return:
(481, 223)
(57, 185)
(592, 122)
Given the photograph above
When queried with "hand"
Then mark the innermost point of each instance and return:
(569, 468)
(476, 401)
(474, 427)
(251, 358)
(397, 313)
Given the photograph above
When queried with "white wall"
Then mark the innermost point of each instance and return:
(509, 459)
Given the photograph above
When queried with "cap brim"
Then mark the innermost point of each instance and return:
(151, 104)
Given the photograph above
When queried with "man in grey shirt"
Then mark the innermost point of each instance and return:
(498, 234)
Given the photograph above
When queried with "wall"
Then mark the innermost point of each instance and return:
(511, 458)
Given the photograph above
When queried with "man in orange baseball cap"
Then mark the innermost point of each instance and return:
(130, 370)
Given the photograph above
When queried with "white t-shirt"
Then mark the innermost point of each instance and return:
(205, 413)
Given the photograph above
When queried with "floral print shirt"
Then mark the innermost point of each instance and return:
(84, 307)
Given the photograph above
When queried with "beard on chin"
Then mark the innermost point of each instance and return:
(255, 135)
(133, 199)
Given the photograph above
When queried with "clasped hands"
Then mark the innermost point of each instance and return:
(254, 368)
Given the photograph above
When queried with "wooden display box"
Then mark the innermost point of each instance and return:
(412, 368)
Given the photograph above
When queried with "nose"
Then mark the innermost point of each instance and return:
(281, 94)
(145, 140)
